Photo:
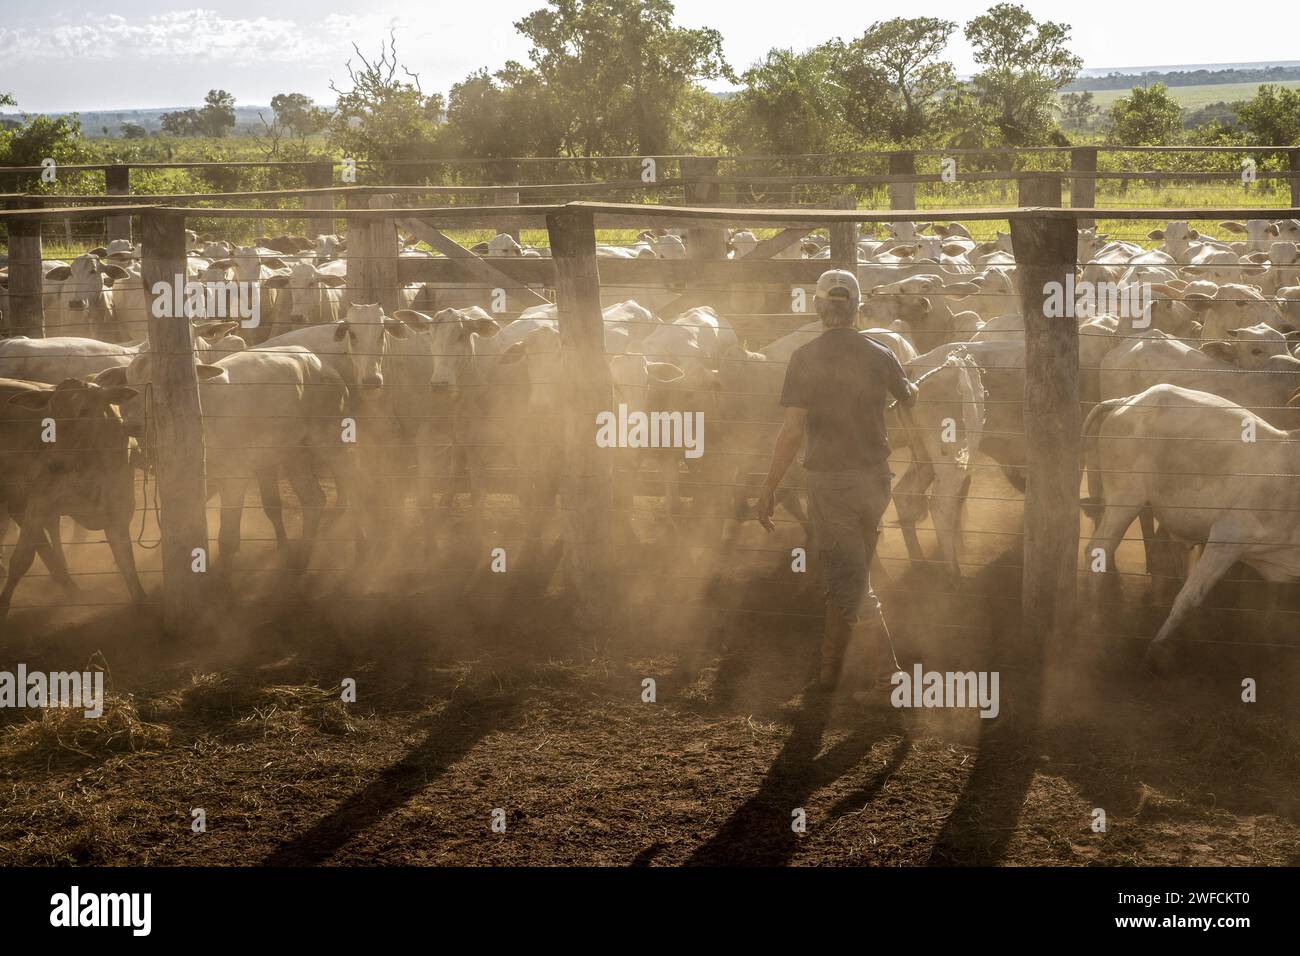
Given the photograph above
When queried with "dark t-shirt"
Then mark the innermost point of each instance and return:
(844, 379)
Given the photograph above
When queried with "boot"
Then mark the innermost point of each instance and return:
(835, 637)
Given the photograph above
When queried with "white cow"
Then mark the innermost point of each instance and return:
(1180, 452)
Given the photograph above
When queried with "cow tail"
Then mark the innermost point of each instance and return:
(1095, 503)
(970, 386)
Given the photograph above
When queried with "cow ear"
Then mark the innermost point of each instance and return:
(114, 377)
(274, 263)
(275, 282)
(486, 327)
(98, 251)
(1231, 226)
(953, 249)
(341, 331)
(118, 395)
(665, 373)
(1220, 350)
(396, 329)
(205, 372)
(924, 305)
(59, 273)
(961, 288)
(416, 320)
(34, 400)
(514, 354)
(1155, 234)
(333, 281)
(115, 272)
(222, 264)
(1197, 301)
(903, 251)
(215, 330)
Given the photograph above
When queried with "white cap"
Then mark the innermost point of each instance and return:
(838, 284)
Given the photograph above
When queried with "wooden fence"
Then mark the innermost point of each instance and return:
(1045, 243)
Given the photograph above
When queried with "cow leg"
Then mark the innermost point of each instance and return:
(1148, 519)
(50, 547)
(233, 491)
(119, 542)
(911, 505)
(1214, 564)
(1110, 530)
(268, 488)
(950, 488)
(311, 499)
(30, 532)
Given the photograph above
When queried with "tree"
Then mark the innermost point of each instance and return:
(1148, 116)
(503, 114)
(1024, 64)
(788, 105)
(1272, 116)
(1079, 110)
(295, 113)
(217, 117)
(891, 78)
(384, 115)
(181, 123)
(38, 137)
(616, 72)
(132, 130)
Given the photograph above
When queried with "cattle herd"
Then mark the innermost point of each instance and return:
(1187, 401)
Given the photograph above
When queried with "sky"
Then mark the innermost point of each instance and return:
(74, 55)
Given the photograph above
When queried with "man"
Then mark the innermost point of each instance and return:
(835, 393)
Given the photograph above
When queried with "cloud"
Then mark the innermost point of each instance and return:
(175, 35)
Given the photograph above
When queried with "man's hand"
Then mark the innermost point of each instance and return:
(788, 443)
(764, 510)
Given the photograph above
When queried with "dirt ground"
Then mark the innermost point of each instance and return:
(476, 694)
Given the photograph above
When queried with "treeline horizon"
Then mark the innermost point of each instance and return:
(621, 77)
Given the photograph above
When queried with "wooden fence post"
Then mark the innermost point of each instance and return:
(1046, 249)
(1295, 178)
(509, 197)
(844, 237)
(362, 287)
(177, 422)
(1040, 189)
(320, 176)
(902, 195)
(384, 246)
(587, 491)
(117, 182)
(26, 278)
(707, 242)
(1083, 182)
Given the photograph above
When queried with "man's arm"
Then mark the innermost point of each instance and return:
(788, 443)
(900, 386)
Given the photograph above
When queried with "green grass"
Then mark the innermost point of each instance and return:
(1194, 97)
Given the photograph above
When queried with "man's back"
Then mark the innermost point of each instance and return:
(844, 380)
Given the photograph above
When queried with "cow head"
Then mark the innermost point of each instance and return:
(88, 468)
(452, 336)
(81, 291)
(369, 331)
(503, 246)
